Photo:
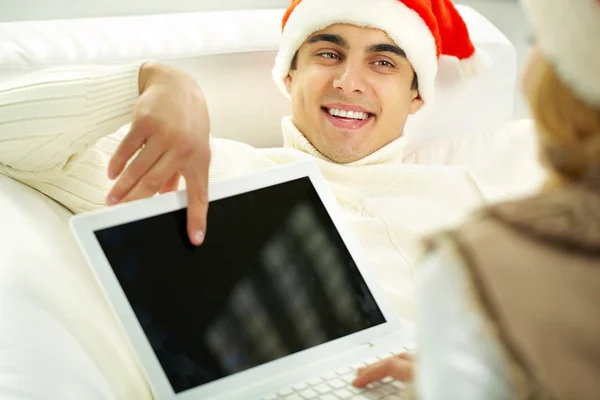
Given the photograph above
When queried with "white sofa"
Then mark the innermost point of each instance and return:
(58, 337)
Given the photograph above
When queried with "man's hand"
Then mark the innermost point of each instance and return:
(169, 138)
(398, 367)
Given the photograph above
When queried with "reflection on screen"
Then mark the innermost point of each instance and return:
(273, 278)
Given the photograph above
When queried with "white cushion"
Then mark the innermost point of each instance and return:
(59, 339)
(504, 158)
(231, 54)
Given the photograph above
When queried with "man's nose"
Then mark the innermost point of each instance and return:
(350, 78)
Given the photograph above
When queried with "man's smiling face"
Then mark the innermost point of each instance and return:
(352, 91)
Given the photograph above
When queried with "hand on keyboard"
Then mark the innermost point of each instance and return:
(398, 367)
(336, 385)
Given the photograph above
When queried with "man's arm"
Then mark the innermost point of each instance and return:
(48, 116)
(49, 119)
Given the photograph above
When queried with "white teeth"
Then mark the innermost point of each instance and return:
(348, 114)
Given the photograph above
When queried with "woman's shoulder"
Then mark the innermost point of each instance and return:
(563, 217)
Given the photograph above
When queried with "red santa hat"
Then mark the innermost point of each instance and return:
(568, 33)
(424, 29)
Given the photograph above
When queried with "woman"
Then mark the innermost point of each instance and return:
(510, 301)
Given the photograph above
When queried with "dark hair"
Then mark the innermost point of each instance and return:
(414, 85)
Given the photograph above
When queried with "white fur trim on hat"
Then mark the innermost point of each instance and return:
(402, 24)
(568, 33)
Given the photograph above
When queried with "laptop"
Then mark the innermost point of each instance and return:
(278, 303)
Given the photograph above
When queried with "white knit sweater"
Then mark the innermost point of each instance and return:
(56, 136)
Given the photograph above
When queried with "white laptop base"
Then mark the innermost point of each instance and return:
(321, 371)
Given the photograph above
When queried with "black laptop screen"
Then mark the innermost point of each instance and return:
(272, 278)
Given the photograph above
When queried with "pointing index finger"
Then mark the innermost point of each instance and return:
(196, 177)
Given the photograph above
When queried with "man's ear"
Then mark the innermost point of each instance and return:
(416, 102)
(288, 82)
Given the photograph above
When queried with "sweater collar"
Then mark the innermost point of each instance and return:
(391, 153)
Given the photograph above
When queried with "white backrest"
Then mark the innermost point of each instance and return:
(231, 54)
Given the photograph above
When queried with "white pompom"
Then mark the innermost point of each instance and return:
(475, 65)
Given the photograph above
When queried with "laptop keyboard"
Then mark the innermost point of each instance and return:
(336, 385)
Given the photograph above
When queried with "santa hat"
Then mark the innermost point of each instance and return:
(424, 29)
(568, 33)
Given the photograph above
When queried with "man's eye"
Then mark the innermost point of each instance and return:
(331, 56)
(384, 63)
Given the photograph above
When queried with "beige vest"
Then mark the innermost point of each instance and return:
(535, 268)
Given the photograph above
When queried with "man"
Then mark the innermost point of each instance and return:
(354, 71)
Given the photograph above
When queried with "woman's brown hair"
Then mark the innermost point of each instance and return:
(568, 128)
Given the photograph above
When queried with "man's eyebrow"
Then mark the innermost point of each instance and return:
(386, 48)
(329, 37)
